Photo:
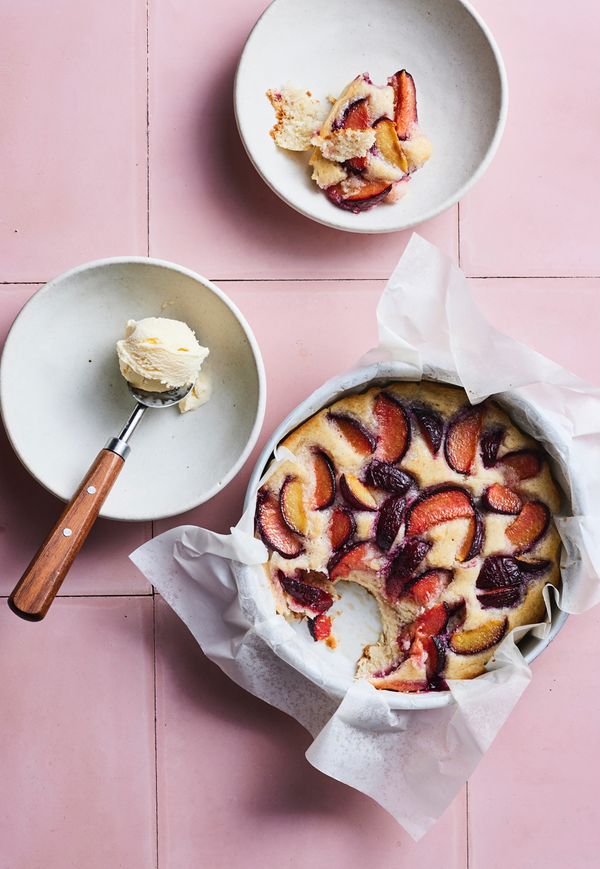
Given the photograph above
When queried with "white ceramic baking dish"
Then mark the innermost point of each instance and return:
(359, 380)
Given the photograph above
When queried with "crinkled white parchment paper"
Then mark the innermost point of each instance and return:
(411, 761)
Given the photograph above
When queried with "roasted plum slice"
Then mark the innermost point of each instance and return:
(427, 587)
(433, 621)
(502, 598)
(502, 580)
(504, 571)
(473, 539)
(426, 646)
(341, 527)
(356, 164)
(431, 425)
(435, 656)
(489, 445)
(293, 511)
(272, 527)
(524, 464)
(530, 526)
(309, 596)
(479, 639)
(388, 144)
(405, 103)
(501, 499)
(444, 504)
(324, 474)
(440, 504)
(320, 627)
(356, 117)
(356, 493)
(351, 558)
(383, 475)
(408, 557)
(462, 439)
(393, 428)
(389, 520)
(360, 438)
(363, 196)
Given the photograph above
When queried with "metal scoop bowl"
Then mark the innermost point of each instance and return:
(37, 588)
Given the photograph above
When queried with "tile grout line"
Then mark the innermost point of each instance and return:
(468, 852)
(386, 278)
(154, 683)
(147, 127)
(380, 278)
(127, 594)
(155, 726)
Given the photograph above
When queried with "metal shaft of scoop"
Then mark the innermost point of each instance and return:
(144, 399)
(130, 426)
(120, 445)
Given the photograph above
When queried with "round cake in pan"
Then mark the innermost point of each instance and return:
(442, 510)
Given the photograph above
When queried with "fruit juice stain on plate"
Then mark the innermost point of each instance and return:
(357, 624)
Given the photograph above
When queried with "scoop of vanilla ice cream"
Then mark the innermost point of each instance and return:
(157, 354)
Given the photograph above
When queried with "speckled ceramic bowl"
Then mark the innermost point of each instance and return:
(62, 395)
(461, 89)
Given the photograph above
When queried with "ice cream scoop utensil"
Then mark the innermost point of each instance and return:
(41, 581)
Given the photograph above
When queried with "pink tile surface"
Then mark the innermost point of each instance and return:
(533, 800)
(234, 788)
(293, 338)
(77, 691)
(535, 212)
(77, 748)
(73, 143)
(197, 158)
(27, 512)
(559, 318)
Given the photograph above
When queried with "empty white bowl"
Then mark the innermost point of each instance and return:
(62, 395)
(461, 91)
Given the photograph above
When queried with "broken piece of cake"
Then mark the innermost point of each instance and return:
(366, 148)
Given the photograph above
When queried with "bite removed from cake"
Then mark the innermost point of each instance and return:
(440, 510)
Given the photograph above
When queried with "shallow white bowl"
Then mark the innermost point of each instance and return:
(461, 90)
(334, 674)
(62, 395)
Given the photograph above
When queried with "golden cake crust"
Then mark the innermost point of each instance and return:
(482, 593)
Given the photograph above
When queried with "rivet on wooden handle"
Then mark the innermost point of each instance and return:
(40, 583)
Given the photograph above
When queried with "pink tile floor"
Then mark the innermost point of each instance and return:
(122, 746)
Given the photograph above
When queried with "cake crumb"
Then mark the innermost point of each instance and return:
(344, 145)
(298, 115)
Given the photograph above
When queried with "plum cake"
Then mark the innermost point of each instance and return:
(441, 509)
(366, 148)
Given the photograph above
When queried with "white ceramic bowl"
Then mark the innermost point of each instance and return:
(62, 395)
(461, 89)
(338, 682)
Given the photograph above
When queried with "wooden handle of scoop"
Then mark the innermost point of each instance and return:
(40, 583)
